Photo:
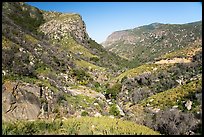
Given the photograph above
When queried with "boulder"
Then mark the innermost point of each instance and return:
(188, 104)
(120, 110)
(174, 107)
(20, 101)
(97, 114)
(111, 116)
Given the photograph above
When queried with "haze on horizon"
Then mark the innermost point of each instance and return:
(103, 18)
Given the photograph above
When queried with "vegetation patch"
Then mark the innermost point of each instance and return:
(68, 15)
(185, 52)
(79, 100)
(31, 39)
(114, 110)
(68, 43)
(139, 70)
(169, 97)
(6, 43)
(114, 90)
(81, 76)
(90, 66)
(77, 126)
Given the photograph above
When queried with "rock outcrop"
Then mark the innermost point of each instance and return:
(62, 25)
(188, 105)
(20, 101)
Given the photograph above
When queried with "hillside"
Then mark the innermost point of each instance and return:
(51, 61)
(155, 92)
(58, 80)
(151, 41)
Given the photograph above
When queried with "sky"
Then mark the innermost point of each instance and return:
(103, 18)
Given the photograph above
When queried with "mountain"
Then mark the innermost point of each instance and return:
(144, 43)
(57, 80)
(47, 59)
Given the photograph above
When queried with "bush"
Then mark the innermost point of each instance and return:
(114, 90)
(197, 57)
(81, 76)
(96, 84)
(94, 59)
(174, 122)
(140, 94)
(124, 79)
(60, 97)
(84, 113)
(114, 110)
(19, 128)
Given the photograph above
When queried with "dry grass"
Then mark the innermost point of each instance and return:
(78, 126)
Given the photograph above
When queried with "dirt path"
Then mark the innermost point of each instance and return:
(193, 51)
(81, 90)
(173, 61)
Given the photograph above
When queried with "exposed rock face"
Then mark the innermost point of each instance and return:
(120, 110)
(23, 101)
(62, 25)
(20, 101)
(118, 35)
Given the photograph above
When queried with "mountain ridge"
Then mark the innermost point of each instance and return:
(147, 40)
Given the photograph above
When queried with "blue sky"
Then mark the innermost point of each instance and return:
(103, 18)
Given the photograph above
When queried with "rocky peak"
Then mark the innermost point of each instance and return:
(55, 25)
(115, 36)
(60, 25)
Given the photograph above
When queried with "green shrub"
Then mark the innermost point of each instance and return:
(19, 128)
(114, 110)
(94, 59)
(60, 97)
(81, 76)
(114, 90)
(84, 113)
